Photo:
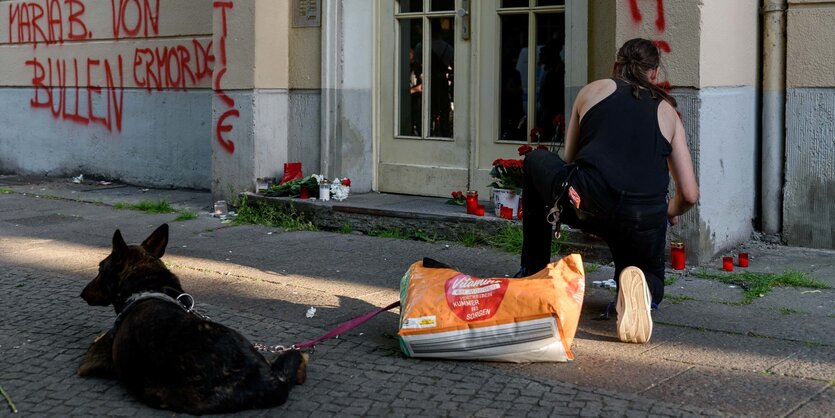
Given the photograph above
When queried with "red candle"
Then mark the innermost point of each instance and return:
(728, 263)
(472, 201)
(677, 255)
(304, 193)
(479, 210)
(506, 212)
(743, 259)
(519, 210)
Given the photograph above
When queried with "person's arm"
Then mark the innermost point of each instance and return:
(572, 133)
(681, 169)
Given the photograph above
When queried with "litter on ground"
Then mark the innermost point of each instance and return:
(606, 284)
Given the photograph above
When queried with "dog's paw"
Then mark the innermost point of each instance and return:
(99, 358)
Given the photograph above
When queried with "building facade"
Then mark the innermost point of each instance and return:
(418, 96)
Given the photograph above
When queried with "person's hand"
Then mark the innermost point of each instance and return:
(672, 220)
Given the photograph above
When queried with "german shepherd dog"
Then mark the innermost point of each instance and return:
(167, 354)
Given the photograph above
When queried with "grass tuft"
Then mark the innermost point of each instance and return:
(157, 207)
(757, 285)
(258, 213)
(148, 206)
(509, 239)
(670, 280)
(470, 238)
(4, 190)
(677, 299)
(185, 215)
(788, 311)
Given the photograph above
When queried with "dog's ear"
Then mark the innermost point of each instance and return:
(119, 245)
(155, 243)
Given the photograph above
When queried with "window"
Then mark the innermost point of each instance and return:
(532, 80)
(425, 75)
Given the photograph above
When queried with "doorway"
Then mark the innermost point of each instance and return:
(495, 71)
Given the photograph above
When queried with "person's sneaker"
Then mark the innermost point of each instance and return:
(523, 272)
(634, 301)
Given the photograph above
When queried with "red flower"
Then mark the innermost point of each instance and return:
(507, 173)
(559, 120)
(524, 149)
(535, 132)
(457, 195)
(346, 182)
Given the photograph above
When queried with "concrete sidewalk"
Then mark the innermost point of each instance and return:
(709, 355)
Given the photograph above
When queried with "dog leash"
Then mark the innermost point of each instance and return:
(344, 327)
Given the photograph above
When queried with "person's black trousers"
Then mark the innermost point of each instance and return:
(633, 225)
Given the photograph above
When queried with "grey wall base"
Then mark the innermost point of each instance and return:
(809, 191)
(163, 142)
(721, 126)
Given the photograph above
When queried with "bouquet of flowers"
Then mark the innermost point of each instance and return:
(292, 188)
(458, 198)
(339, 188)
(507, 174)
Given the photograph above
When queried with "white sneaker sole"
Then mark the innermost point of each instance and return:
(634, 307)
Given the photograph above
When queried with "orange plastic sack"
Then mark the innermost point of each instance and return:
(447, 314)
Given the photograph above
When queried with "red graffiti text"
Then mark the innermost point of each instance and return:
(132, 18)
(50, 82)
(223, 127)
(47, 22)
(174, 67)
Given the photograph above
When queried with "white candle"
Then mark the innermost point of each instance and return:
(325, 191)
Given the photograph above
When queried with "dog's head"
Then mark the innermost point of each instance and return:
(106, 287)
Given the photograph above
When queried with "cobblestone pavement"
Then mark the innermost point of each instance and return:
(709, 354)
(46, 329)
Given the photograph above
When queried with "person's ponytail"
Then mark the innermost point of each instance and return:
(635, 58)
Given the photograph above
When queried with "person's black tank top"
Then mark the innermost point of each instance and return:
(620, 138)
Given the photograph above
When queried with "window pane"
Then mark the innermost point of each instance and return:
(441, 67)
(408, 6)
(411, 121)
(550, 2)
(550, 106)
(443, 5)
(515, 3)
(514, 76)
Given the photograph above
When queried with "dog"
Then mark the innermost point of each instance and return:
(168, 355)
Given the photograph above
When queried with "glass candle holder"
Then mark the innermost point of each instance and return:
(220, 208)
(743, 259)
(677, 255)
(506, 212)
(728, 263)
(304, 193)
(472, 201)
(479, 210)
(324, 190)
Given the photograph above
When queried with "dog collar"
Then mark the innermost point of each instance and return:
(182, 299)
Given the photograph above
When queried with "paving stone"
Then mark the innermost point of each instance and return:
(820, 405)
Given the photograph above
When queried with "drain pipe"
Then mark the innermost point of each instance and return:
(774, 113)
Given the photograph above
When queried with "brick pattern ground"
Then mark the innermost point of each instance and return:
(46, 329)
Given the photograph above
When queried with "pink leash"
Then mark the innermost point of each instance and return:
(345, 327)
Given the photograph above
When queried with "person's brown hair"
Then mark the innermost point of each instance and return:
(634, 59)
